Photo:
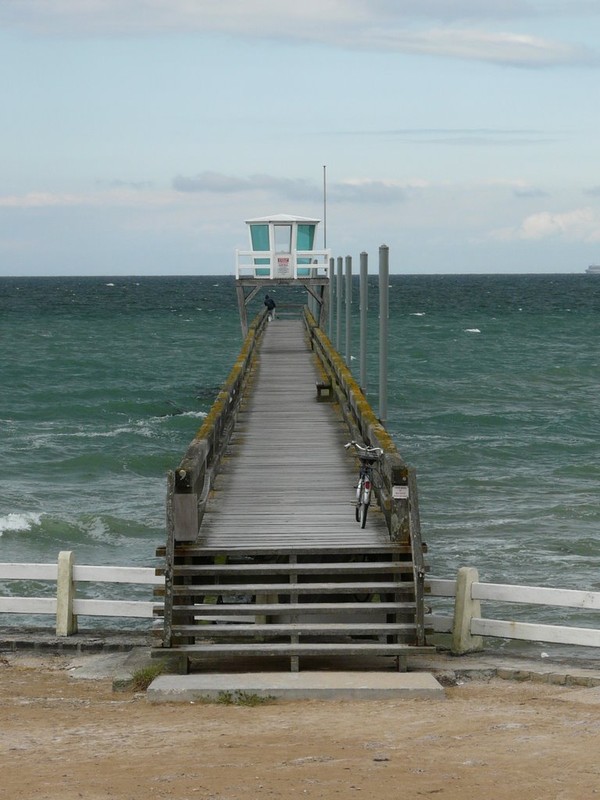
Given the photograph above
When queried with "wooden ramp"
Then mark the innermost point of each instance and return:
(280, 566)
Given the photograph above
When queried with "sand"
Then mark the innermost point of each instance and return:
(62, 738)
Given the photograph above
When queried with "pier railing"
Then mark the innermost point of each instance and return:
(189, 485)
(467, 625)
(298, 265)
(397, 490)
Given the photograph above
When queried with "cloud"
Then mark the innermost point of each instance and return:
(217, 183)
(529, 191)
(469, 137)
(366, 190)
(441, 28)
(116, 197)
(578, 225)
(351, 190)
(518, 50)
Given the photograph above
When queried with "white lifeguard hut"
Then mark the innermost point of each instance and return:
(282, 252)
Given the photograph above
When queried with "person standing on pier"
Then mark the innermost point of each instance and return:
(270, 304)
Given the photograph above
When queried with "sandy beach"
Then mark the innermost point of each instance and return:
(62, 737)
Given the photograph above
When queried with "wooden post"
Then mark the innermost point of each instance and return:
(384, 279)
(364, 305)
(242, 309)
(399, 514)
(465, 608)
(66, 621)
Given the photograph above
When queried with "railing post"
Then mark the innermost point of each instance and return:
(364, 305)
(348, 309)
(338, 315)
(465, 608)
(66, 621)
(333, 288)
(384, 272)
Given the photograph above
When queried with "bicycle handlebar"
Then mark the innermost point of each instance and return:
(365, 451)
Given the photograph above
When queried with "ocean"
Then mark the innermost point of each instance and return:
(493, 397)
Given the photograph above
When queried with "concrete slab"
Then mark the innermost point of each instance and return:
(294, 686)
(590, 697)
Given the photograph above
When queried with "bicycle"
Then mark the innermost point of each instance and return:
(368, 457)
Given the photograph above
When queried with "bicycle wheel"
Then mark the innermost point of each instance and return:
(363, 514)
(359, 497)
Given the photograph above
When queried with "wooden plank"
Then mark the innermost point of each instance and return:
(227, 609)
(530, 632)
(286, 477)
(302, 648)
(110, 574)
(297, 588)
(292, 628)
(40, 572)
(114, 608)
(537, 595)
(265, 569)
(348, 549)
(28, 605)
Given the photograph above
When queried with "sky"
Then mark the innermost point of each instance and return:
(138, 136)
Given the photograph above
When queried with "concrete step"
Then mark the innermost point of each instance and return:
(324, 685)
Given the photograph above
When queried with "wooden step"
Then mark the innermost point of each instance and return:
(250, 609)
(212, 589)
(296, 649)
(297, 629)
(299, 569)
(198, 549)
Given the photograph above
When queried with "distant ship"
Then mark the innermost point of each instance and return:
(594, 269)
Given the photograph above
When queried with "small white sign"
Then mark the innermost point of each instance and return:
(283, 268)
(400, 492)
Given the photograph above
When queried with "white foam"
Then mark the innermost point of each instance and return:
(19, 522)
(472, 330)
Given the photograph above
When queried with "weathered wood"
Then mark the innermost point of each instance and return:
(228, 609)
(350, 549)
(185, 517)
(537, 595)
(295, 629)
(112, 574)
(530, 632)
(265, 569)
(41, 572)
(302, 648)
(363, 587)
(285, 492)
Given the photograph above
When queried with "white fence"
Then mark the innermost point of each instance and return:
(466, 624)
(65, 606)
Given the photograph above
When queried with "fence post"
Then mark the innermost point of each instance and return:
(465, 608)
(66, 621)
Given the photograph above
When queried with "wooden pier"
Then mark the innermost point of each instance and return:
(263, 554)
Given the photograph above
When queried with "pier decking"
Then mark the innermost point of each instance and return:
(264, 556)
(286, 479)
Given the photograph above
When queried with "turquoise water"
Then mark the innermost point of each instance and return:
(493, 397)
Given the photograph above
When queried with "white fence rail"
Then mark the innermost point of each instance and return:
(65, 606)
(466, 624)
